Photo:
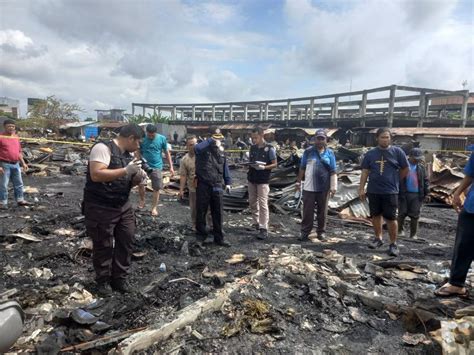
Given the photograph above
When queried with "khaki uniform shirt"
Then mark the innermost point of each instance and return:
(187, 168)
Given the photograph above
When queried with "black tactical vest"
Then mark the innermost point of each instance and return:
(210, 166)
(259, 154)
(114, 193)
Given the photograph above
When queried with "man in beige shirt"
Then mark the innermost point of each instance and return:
(187, 173)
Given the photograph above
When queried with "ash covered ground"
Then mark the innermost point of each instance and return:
(335, 296)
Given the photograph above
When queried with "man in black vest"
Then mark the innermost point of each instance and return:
(263, 159)
(212, 173)
(109, 217)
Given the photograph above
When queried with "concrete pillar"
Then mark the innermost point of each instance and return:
(465, 100)
(246, 112)
(231, 113)
(335, 107)
(363, 105)
(203, 115)
(266, 111)
(282, 114)
(289, 110)
(133, 110)
(306, 113)
(154, 110)
(311, 109)
(213, 112)
(193, 114)
(173, 113)
(391, 105)
(143, 110)
(223, 115)
(421, 108)
(261, 113)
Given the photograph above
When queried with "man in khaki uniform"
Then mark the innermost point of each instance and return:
(187, 173)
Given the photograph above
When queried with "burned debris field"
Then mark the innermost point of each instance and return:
(273, 296)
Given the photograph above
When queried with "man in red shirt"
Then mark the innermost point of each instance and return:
(10, 159)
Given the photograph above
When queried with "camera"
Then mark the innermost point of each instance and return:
(146, 167)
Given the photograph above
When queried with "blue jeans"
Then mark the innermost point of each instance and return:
(13, 172)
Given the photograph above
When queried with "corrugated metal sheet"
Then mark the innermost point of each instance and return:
(244, 126)
(431, 131)
(309, 131)
(454, 143)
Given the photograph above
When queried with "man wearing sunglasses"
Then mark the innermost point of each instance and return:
(318, 170)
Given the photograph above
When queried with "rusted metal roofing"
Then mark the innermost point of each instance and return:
(243, 126)
(431, 131)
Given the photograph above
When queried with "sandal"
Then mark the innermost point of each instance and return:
(443, 292)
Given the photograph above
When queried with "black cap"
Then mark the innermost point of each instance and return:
(416, 153)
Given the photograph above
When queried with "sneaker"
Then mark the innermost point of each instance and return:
(120, 285)
(303, 237)
(414, 236)
(376, 243)
(262, 234)
(24, 203)
(221, 243)
(401, 234)
(393, 250)
(104, 289)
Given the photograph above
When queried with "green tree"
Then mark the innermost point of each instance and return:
(55, 111)
(136, 119)
(156, 118)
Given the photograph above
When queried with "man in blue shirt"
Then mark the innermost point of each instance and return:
(151, 149)
(318, 167)
(383, 165)
(463, 253)
(414, 189)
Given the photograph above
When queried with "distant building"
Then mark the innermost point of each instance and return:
(10, 106)
(114, 115)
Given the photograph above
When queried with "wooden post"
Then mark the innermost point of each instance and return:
(246, 112)
(391, 105)
(266, 111)
(289, 110)
(194, 113)
(465, 100)
(421, 108)
(363, 105)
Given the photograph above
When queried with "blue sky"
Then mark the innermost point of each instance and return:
(109, 53)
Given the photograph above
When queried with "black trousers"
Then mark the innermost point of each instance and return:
(463, 252)
(207, 197)
(112, 231)
(409, 204)
(311, 201)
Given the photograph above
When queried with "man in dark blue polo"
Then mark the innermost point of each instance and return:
(384, 166)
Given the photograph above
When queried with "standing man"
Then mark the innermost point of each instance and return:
(414, 189)
(175, 137)
(11, 157)
(463, 253)
(212, 173)
(151, 149)
(384, 166)
(263, 160)
(109, 216)
(318, 168)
